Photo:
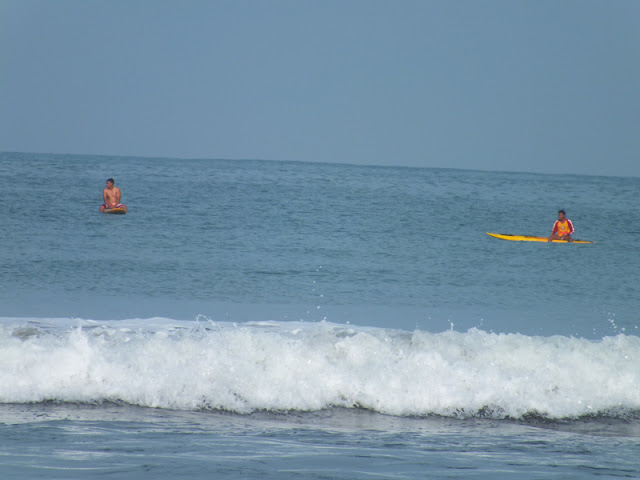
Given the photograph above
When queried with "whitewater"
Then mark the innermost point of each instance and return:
(307, 367)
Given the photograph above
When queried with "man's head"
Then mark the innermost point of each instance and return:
(561, 214)
(110, 183)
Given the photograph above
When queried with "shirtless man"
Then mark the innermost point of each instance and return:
(562, 229)
(111, 196)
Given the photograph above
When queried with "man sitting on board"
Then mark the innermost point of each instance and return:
(111, 196)
(562, 229)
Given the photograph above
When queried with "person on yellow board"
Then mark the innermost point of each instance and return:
(562, 229)
(111, 196)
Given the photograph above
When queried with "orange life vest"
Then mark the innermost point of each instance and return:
(563, 227)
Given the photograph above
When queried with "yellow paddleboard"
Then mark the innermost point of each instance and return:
(530, 238)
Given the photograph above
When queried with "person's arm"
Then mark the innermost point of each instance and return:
(104, 197)
(571, 229)
(118, 197)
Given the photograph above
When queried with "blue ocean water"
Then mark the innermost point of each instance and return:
(254, 319)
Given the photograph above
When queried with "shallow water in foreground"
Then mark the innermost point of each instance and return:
(75, 441)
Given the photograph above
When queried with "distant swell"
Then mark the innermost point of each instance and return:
(312, 366)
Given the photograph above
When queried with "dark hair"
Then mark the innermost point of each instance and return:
(562, 212)
(110, 180)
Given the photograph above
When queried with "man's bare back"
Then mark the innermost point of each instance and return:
(111, 196)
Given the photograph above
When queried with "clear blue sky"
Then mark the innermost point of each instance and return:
(539, 86)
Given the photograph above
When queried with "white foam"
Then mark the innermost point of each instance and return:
(310, 366)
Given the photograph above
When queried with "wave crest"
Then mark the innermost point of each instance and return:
(286, 366)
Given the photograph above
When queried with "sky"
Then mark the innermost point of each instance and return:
(547, 86)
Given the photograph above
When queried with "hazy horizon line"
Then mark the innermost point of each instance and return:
(310, 162)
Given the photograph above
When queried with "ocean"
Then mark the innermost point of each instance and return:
(262, 319)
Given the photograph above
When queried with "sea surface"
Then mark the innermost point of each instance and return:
(269, 320)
